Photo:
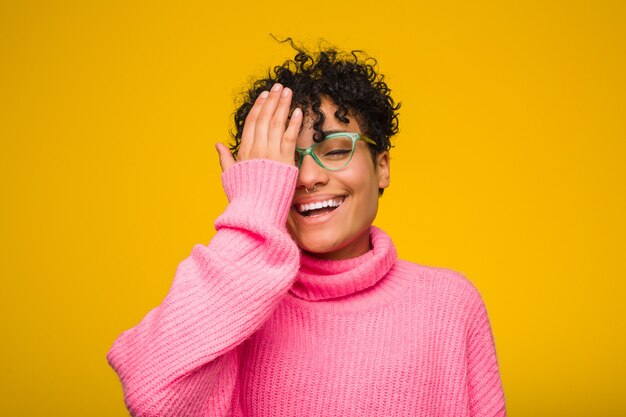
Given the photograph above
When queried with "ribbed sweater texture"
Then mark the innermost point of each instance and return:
(253, 327)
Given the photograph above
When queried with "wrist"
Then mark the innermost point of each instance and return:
(262, 188)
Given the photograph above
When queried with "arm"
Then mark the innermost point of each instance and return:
(181, 359)
(486, 397)
(220, 295)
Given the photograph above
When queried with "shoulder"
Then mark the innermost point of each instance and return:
(442, 287)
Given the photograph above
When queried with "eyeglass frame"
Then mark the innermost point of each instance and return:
(352, 135)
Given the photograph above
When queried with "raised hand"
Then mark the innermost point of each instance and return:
(266, 133)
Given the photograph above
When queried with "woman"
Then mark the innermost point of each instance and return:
(299, 306)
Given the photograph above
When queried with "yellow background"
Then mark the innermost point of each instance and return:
(510, 167)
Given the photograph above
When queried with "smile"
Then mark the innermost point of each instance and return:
(319, 207)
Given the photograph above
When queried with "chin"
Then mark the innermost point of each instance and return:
(318, 244)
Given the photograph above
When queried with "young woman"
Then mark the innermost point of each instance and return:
(299, 306)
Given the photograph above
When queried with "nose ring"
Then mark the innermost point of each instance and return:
(313, 190)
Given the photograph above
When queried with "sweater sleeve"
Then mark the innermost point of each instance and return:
(486, 396)
(181, 359)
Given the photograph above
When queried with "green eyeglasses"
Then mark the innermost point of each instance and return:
(334, 152)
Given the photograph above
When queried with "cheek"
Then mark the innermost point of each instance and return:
(362, 184)
(361, 178)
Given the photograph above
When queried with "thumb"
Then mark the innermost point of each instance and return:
(226, 158)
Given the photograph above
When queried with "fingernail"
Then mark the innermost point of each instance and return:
(286, 92)
(264, 94)
(276, 87)
(296, 112)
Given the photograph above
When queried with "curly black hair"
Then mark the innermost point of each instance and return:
(350, 80)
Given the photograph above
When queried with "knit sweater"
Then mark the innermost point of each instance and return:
(253, 327)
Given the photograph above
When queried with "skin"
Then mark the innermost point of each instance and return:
(269, 133)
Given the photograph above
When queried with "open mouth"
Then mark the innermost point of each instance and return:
(320, 207)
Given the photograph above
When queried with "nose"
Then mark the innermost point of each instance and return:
(311, 174)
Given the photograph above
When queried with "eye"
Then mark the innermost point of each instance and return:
(335, 148)
(337, 153)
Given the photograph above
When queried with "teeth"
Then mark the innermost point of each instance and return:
(320, 204)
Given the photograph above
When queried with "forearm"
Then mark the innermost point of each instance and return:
(220, 295)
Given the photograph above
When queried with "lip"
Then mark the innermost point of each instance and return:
(321, 218)
(315, 199)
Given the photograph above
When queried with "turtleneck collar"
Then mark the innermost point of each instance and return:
(320, 279)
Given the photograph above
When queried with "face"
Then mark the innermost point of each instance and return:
(343, 231)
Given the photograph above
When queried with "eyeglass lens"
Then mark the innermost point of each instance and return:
(333, 153)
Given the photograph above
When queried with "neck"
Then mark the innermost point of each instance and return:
(324, 279)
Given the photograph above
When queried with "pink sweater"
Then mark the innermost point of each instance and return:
(252, 327)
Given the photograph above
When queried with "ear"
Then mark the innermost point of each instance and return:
(382, 166)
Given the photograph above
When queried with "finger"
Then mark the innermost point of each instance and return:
(288, 142)
(226, 158)
(262, 124)
(247, 136)
(278, 124)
